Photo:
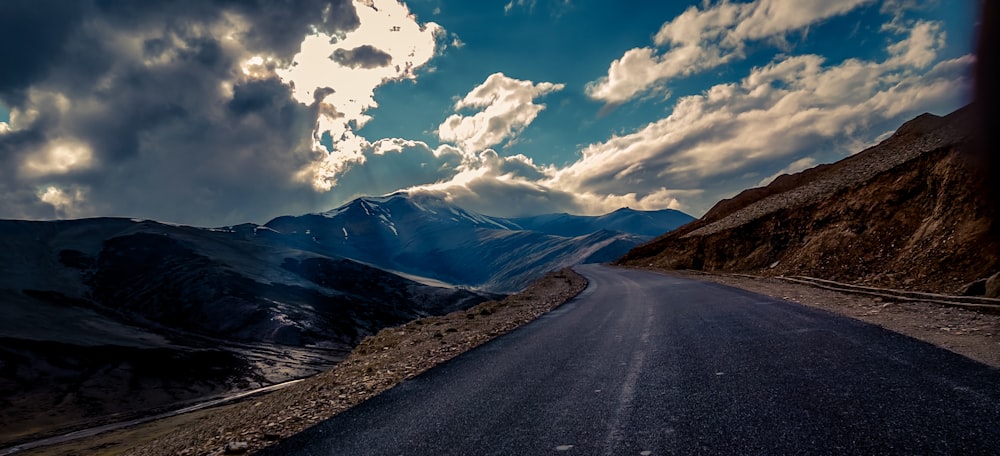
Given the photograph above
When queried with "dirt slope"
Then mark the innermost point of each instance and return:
(906, 214)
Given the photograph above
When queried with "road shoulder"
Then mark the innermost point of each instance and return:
(970, 333)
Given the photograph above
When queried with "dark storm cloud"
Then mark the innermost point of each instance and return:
(155, 91)
(365, 56)
(31, 37)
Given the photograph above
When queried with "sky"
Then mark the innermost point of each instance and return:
(217, 112)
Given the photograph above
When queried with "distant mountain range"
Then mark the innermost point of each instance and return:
(433, 241)
(87, 305)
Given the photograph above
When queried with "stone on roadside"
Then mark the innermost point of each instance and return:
(977, 288)
(993, 286)
(237, 447)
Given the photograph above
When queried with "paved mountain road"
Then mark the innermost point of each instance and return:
(643, 363)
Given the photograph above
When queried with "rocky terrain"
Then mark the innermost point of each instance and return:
(379, 362)
(106, 319)
(904, 214)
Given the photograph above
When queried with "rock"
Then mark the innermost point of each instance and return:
(993, 286)
(977, 288)
(237, 447)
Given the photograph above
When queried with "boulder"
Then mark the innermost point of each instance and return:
(237, 447)
(977, 288)
(993, 286)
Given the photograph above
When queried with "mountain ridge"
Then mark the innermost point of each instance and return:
(903, 214)
(401, 231)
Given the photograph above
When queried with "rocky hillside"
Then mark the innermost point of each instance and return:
(906, 214)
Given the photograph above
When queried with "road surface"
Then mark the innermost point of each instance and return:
(647, 364)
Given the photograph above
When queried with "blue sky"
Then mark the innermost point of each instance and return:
(214, 113)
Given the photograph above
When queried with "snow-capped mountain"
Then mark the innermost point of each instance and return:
(426, 237)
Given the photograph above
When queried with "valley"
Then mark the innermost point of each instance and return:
(110, 319)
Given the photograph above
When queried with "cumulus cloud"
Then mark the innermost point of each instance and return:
(783, 110)
(57, 157)
(479, 178)
(506, 106)
(704, 38)
(219, 115)
(784, 117)
(65, 203)
(194, 111)
(388, 44)
(920, 48)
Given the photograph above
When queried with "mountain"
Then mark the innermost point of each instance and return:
(425, 237)
(113, 317)
(908, 213)
(624, 220)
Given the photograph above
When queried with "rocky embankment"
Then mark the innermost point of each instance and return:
(905, 214)
(377, 364)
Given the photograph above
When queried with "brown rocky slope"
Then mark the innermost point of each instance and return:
(905, 214)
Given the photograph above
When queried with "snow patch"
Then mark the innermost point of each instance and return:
(388, 223)
(263, 228)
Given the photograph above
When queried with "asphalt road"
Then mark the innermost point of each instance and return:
(647, 364)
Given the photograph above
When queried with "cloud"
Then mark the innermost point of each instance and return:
(199, 112)
(920, 48)
(388, 45)
(506, 107)
(556, 7)
(364, 56)
(792, 109)
(703, 38)
(527, 4)
(218, 115)
(58, 157)
(65, 203)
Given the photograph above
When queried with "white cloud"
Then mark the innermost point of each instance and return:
(785, 115)
(341, 73)
(704, 38)
(781, 110)
(555, 7)
(527, 4)
(67, 203)
(4, 127)
(58, 157)
(506, 107)
(920, 48)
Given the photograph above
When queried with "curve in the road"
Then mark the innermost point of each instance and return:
(645, 363)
